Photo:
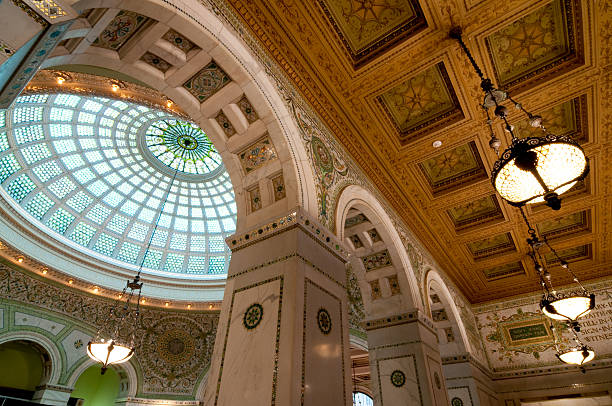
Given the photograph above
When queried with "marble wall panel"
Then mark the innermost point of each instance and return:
(322, 364)
(249, 348)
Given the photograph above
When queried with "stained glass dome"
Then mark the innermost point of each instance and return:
(92, 172)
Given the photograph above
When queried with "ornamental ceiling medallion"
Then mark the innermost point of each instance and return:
(422, 103)
(454, 168)
(573, 254)
(570, 224)
(476, 212)
(567, 118)
(545, 42)
(369, 27)
(504, 271)
(490, 246)
(120, 30)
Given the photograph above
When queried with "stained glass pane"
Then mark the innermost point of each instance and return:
(35, 153)
(106, 244)
(129, 252)
(60, 220)
(20, 187)
(216, 265)
(39, 205)
(82, 233)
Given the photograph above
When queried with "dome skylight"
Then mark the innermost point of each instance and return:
(88, 171)
(182, 146)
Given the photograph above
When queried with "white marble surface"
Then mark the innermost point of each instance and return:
(249, 354)
(323, 352)
(74, 354)
(408, 394)
(24, 319)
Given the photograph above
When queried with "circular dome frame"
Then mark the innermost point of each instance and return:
(70, 154)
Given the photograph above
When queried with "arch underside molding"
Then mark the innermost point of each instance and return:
(353, 201)
(217, 44)
(50, 347)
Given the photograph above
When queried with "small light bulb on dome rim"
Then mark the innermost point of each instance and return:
(44, 271)
(96, 289)
(189, 306)
(166, 304)
(437, 144)
(20, 259)
(70, 281)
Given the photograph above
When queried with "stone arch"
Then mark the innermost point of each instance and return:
(366, 228)
(53, 366)
(443, 311)
(128, 378)
(215, 43)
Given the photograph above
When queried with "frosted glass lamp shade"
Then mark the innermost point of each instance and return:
(108, 352)
(569, 308)
(538, 169)
(577, 356)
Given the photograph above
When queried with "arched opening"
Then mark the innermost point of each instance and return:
(94, 389)
(379, 261)
(449, 335)
(25, 365)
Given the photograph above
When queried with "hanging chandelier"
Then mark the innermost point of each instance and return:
(531, 169)
(579, 354)
(558, 306)
(115, 341)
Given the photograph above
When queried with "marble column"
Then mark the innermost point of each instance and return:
(468, 381)
(282, 337)
(48, 394)
(405, 362)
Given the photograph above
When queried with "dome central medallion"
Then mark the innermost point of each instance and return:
(183, 146)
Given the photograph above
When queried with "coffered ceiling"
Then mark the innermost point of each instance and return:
(388, 81)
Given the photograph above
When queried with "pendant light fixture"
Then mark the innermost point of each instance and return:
(579, 354)
(115, 341)
(564, 307)
(531, 169)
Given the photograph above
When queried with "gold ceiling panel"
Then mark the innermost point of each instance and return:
(383, 115)
(369, 27)
(573, 254)
(477, 212)
(568, 225)
(491, 246)
(455, 168)
(422, 103)
(548, 38)
(568, 118)
(504, 271)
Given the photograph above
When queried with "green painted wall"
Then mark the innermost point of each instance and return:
(21, 366)
(96, 389)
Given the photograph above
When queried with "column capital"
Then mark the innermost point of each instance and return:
(296, 218)
(57, 388)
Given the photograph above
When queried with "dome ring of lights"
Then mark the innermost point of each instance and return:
(78, 168)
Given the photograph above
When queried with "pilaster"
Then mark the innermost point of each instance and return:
(54, 395)
(405, 361)
(282, 337)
